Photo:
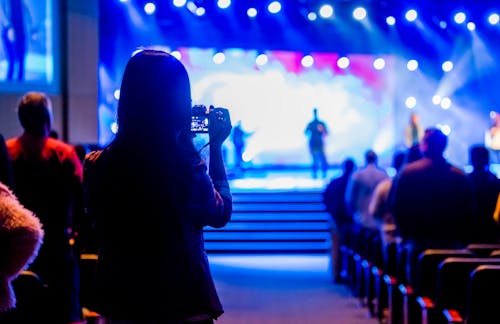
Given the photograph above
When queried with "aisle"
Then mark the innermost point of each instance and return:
(282, 289)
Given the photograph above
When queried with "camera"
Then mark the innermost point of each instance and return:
(199, 118)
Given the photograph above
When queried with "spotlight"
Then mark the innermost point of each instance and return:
(443, 24)
(274, 7)
(261, 59)
(219, 58)
(252, 12)
(176, 54)
(494, 19)
(116, 94)
(411, 15)
(379, 64)
(410, 102)
(223, 4)
(391, 21)
(446, 129)
(447, 66)
(359, 13)
(326, 11)
(446, 103)
(149, 8)
(114, 127)
(471, 26)
(312, 16)
(200, 11)
(179, 3)
(460, 17)
(412, 65)
(343, 62)
(307, 61)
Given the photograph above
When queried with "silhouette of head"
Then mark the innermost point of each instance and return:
(414, 153)
(371, 157)
(398, 160)
(35, 113)
(348, 165)
(434, 143)
(155, 97)
(479, 157)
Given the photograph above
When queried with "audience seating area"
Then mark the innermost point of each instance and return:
(449, 286)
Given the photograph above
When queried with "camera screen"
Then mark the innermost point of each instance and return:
(199, 124)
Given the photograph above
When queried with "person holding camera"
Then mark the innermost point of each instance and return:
(150, 196)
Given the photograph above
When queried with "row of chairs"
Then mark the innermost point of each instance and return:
(450, 285)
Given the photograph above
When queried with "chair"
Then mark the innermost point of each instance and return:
(452, 287)
(483, 249)
(482, 306)
(32, 300)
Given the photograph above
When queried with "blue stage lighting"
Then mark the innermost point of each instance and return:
(312, 16)
(447, 66)
(307, 61)
(326, 11)
(252, 12)
(179, 3)
(410, 102)
(150, 8)
(219, 58)
(261, 59)
(223, 4)
(391, 21)
(359, 13)
(343, 62)
(460, 17)
(412, 65)
(493, 19)
(411, 15)
(274, 7)
(379, 63)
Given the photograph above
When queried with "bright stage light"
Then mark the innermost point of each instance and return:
(391, 21)
(179, 3)
(379, 63)
(412, 65)
(312, 16)
(436, 99)
(443, 24)
(447, 66)
(274, 7)
(326, 11)
(116, 94)
(223, 4)
(446, 129)
(343, 62)
(307, 61)
(359, 13)
(252, 12)
(493, 19)
(411, 15)
(410, 102)
(460, 17)
(471, 26)
(200, 11)
(446, 103)
(149, 8)
(176, 54)
(114, 127)
(219, 58)
(261, 59)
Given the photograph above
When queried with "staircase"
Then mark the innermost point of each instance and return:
(273, 222)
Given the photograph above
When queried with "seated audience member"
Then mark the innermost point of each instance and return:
(21, 235)
(486, 187)
(341, 219)
(431, 201)
(48, 181)
(5, 164)
(379, 208)
(150, 196)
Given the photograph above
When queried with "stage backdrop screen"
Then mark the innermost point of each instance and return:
(274, 102)
(29, 49)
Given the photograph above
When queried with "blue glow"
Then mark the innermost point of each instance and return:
(411, 15)
(252, 12)
(149, 8)
(326, 11)
(274, 7)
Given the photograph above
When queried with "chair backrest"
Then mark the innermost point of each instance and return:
(482, 250)
(32, 300)
(453, 281)
(482, 305)
(427, 268)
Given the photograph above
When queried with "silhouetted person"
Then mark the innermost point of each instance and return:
(317, 130)
(48, 181)
(486, 187)
(414, 132)
(150, 196)
(431, 201)
(238, 137)
(341, 219)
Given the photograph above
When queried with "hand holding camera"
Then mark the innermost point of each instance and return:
(214, 121)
